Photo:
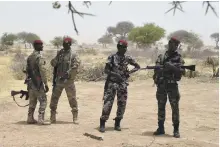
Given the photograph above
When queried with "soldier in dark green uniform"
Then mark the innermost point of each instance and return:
(166, 81)
(37, 85)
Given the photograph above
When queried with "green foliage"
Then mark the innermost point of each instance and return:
(121, 30)
(57, 41)
(189, 38)
(8, 39)
(31, 37)
(105, 39)
(26, 37)
(146, 35)
(215, 37)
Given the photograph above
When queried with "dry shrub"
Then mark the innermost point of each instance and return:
(18, 64)
(197, 54)
(91, 73)
(141, 75)
(192, 74)
(87, 51)
(212, 62)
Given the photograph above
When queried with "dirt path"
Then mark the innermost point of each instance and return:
(198, 109)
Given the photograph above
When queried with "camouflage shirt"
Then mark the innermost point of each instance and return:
(36, 63)
(119, 64)
(174, 58)
(66, 61)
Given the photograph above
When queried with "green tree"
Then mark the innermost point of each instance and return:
(57, 41)
(31, 37)
(105, 39)
(121, 30)
(26, 37)
(147, 35)
(8, 39)
(189, 38)
(215, 37)
(22, 36)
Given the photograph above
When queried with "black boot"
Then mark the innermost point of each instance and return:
(160, 129)
(117, 124)
(102, 126)
(176, 133)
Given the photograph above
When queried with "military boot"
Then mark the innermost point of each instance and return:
(41, 120)
(53, 116)
(176, 133)
(30, 119)
(117, 124)
(160, 129)
(75, 116)
(102, 125)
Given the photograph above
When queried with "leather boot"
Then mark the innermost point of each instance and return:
(53, 116)
(176, 133)
(41, 120)
(75, 116)
(102, 125)
(160, 129)
(117, 124)
(30, 119)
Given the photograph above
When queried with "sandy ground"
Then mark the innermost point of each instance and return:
(198, 109)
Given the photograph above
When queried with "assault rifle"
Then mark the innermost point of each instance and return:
(23, 93)
(189, 67)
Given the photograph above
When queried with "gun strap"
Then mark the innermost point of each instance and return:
(19, 104)
(70, 63)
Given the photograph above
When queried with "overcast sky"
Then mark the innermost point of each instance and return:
(42, 19)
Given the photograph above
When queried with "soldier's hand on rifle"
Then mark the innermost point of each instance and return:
(167, 64)
(46, 88)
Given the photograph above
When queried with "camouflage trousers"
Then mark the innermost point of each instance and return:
(109, 95)
(70, 89)
(35, 95)
(171, 90)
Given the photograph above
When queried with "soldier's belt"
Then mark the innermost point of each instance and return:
(169, 81)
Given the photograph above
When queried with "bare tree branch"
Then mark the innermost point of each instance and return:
(74, 11)
(209, 6)
(87, 3)
(176, 5)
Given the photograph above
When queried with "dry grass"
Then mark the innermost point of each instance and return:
(5, 74)
(91, 68)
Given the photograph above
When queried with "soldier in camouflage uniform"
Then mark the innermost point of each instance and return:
(67, 64)
(166, 81)
(117, 81)
(37, 85)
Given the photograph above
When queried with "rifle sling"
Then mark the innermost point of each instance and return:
(19, 104)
